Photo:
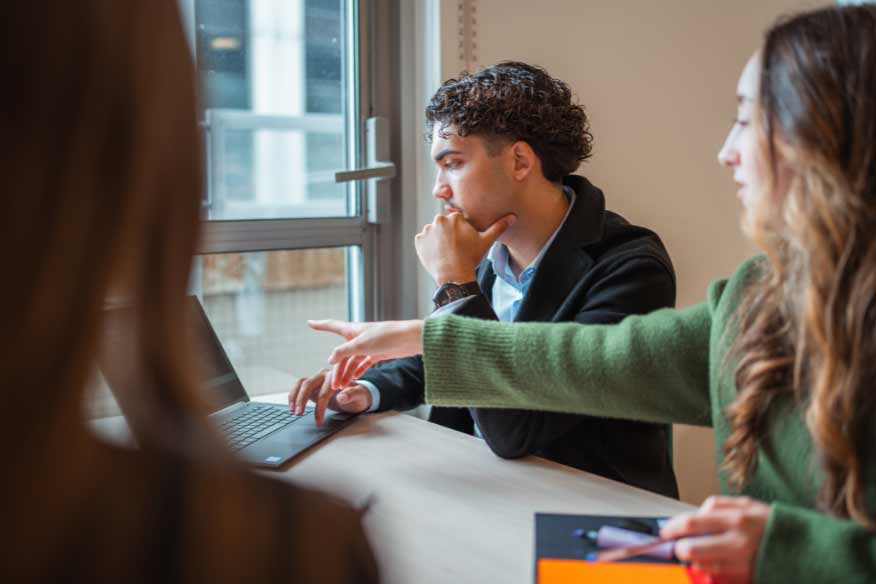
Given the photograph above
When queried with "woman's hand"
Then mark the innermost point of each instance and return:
(367, 343)
(728, 531)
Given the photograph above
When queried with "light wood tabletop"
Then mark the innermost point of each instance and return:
(444, 508)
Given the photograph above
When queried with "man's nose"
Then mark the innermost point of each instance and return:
(441, 190)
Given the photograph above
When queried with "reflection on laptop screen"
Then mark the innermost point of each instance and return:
(219, 381)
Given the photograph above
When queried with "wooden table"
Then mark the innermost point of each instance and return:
(445, 508)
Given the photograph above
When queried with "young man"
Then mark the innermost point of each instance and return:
(505, 141)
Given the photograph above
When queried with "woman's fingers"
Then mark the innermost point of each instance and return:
(347, 330)
(363, 364)
(716, 502)
(696, 523)
(352, 348)
(381, 341)
(341, 376)
(721, 549)
(722, 537)
(345, 372)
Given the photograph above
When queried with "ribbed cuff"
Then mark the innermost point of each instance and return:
(465, 360)
(803, 545)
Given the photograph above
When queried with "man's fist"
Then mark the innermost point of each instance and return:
(450, 248)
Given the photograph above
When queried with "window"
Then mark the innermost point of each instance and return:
(258, 303)
(299, 219)
(295, 152)
(279, 95)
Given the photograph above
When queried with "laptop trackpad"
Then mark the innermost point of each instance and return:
(276, 448)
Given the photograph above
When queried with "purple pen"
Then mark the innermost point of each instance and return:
(608, 537)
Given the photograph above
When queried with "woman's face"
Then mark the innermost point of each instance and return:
(742, 151)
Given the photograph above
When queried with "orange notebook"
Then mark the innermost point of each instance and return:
(561, 551)
(576, 571)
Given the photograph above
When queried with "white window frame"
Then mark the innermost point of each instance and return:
(374, 271)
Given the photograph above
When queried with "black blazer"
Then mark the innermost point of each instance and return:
(598, 269)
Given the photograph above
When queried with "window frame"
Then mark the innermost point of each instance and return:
(371, 28)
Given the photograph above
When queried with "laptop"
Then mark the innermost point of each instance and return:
(263, 434)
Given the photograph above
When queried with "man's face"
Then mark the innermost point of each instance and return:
(471, 179)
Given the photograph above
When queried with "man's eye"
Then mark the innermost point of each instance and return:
(451, 164)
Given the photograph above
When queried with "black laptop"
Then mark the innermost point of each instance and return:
(266, 435)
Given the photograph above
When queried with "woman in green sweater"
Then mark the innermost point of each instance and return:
(780, 359)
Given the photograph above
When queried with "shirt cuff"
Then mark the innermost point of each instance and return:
(375, 395)
(449, 307)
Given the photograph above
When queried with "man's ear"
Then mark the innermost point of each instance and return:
(523, 159)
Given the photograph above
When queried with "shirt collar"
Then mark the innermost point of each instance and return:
(498, 254)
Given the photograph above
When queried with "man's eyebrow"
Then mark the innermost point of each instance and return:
(444, 153)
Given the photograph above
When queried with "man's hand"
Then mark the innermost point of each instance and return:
(450, 248)
(368, 343)
(353, 399)
(728, 531)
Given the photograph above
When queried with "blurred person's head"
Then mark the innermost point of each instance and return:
(803, 150)
(103, 178)
(497, 133)
(102, 174)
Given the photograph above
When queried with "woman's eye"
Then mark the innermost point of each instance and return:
(740, 122)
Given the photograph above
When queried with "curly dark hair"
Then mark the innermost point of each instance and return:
(514, 101)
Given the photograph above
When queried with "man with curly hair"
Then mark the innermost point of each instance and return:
(505, 142)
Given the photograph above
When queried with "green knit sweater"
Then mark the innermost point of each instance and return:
(667, 366)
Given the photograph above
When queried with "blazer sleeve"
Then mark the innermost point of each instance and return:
(633, 286)
(400, 382)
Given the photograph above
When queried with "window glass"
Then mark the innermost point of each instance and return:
(258, 304)
(274, 94)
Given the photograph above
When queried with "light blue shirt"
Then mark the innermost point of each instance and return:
(508, 289)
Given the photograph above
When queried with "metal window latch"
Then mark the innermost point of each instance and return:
(378, 168)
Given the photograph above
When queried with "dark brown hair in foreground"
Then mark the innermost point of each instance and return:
(101, 169)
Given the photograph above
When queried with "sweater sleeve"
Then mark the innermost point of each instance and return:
(802, 545)
(653, 367)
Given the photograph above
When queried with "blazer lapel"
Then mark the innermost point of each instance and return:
(486, 278)
(565, 261)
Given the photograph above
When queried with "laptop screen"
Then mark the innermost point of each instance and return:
(219, 381)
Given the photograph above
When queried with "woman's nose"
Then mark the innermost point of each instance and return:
(728, 155)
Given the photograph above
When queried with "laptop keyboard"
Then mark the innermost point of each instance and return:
(255, 422)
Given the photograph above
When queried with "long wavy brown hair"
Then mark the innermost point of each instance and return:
(808, 325)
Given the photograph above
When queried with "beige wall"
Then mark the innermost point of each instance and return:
(658, 79)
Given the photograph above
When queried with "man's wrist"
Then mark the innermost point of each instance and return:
(457, 277)
(453, 291)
